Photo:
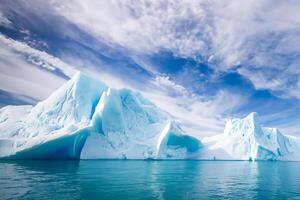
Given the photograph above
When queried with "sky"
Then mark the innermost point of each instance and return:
(202, 61)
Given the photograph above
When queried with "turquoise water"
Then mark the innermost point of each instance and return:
(149, 180)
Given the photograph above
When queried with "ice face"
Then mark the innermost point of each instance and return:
(84, 118)
(126, 125)
(71, 104)
(173, 143)
(52, 124)
(66, 146)
(246, 139)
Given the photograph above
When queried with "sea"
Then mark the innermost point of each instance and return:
(150, 179)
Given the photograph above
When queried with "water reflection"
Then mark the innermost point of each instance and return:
(174, 179)
(36, 179)
(149, 180)
(278, 180)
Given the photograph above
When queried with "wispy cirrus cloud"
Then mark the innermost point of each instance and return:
(199, 114)
(4, 21)
(35, 73)
(22, 76)
(227, 34)
(259, 38)
(39, 58)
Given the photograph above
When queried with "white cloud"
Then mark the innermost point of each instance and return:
(18, 76)
(164, 83)
(38, 57)
(231, 28)
(199, 115)
(4, 21)
(253, 34)
(142, 26)
(262, 80)
(31, 72)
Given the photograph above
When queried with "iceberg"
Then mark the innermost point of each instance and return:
(54, 128)
(128, 126)
(88, 120)
(246, 139)
(85, 119)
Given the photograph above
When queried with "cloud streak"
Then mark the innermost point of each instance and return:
(21, 77)
(198, 114)
(227, 34)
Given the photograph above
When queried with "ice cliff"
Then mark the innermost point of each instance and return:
(86, 119)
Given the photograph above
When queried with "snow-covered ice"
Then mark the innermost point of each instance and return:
(55, 127)
(86, 119)
(246, 139)
(126, 125)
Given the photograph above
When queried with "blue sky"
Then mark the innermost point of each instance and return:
(202, 61)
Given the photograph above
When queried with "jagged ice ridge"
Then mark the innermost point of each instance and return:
(86, 119)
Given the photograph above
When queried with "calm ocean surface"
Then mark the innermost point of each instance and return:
(118, 180)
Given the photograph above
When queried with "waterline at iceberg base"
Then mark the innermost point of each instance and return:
(85, 119)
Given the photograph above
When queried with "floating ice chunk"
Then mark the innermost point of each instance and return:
(246, 139)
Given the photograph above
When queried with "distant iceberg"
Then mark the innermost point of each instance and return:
(86, 119)
(246, 139)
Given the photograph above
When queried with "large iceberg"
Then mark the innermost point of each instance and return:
(246, 139)
(86, 119)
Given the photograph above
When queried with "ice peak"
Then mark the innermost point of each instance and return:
(81, 78)
(73, 102)
(78, 74)
(253, 116)
(249, 123)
